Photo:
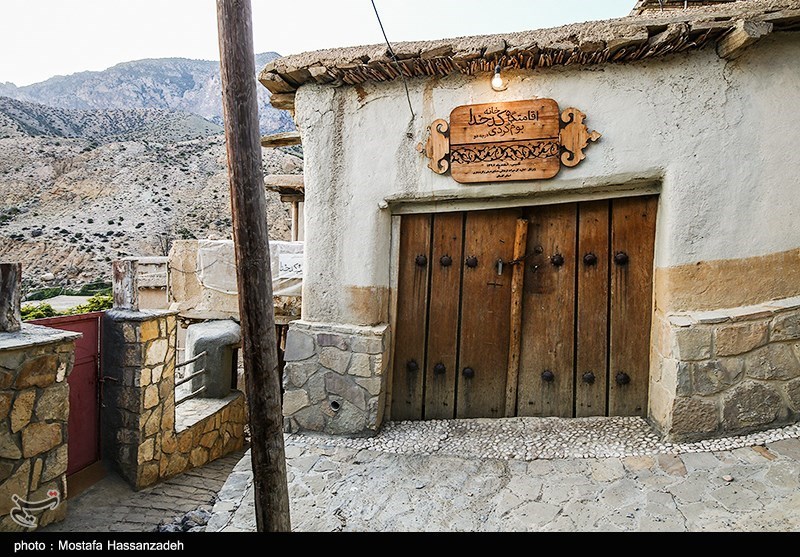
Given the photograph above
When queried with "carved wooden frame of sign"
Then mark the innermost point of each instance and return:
(501, 142)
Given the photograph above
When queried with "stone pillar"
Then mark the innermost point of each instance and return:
(334, 378)
(138, 391)
(34, 406)
(142, 433)
(125, 285)
(10, 279)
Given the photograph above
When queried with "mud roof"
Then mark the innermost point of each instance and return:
(645, 35)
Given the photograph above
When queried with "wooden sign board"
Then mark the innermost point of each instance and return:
(504, 141)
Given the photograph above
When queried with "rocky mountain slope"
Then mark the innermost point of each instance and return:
(25, 119)
(101, 165)
(171, 84)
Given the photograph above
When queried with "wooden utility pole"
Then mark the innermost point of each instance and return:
(254, 279)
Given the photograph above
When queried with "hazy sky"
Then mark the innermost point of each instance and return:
(42, 38)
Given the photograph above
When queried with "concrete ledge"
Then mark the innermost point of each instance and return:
(34, 335)
(142, 315)
(191, 412)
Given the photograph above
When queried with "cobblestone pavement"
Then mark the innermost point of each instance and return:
(409, 479)
(111, 505)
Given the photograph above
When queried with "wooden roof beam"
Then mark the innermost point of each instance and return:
(285, 139)
(284, 182)
(282, 101)
(744, 34)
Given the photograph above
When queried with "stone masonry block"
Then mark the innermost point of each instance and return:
(146, 451)
(150, 396)
(15, 485)
(9, 445)
(376, 362)
(315, 386)
(347, 388)
(366, 345)
(774, 361)
(156, 352)
(785, 327)
(360, 365)
(11, 359)
(335, 359)
(55, 463)
(22, 410)
(333, 339)
(692, 343)
(713, 376)
(299, 346)
(310, 418)
(5, 404)
(39, 372)
(349, 419)
(130, 333)
(751, 404)
(371, 384)
(739, 338)
(295, 374)
(793, 393)
(294, 401)
(149, 330)
(693, 416)
(40, 437)
(132, 355)
(53, 403)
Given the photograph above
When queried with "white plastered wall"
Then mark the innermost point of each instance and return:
(717, 137)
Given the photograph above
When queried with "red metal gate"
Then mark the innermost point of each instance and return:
(83, 426)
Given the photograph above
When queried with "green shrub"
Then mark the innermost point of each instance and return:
(38, 312)
(45, 293)
(98, 302)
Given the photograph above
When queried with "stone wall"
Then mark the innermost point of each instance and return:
(334, 379)
(726, 371)
(139, 415)
(34, 405)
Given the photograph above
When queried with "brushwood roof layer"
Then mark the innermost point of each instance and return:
(647, 35)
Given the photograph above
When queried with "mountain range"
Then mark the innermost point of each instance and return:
(168, 84)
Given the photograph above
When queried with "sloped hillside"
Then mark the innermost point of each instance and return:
(25, 119)
(68, 206)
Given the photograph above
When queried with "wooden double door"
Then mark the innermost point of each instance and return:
(581, 339)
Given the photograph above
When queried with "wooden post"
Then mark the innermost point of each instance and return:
(254, 279)
(517, 279)
(295, 220)
(10, 279)
(125, 286)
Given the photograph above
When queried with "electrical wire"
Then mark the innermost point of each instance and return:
(394, 57)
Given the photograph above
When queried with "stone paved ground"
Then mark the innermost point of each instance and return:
(361, 485)
(111, 505)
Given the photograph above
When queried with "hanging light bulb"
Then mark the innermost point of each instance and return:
(498, 83)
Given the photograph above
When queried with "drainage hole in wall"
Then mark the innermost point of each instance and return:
(335, 405)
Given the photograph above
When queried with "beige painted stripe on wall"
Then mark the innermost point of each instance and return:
(728, 283)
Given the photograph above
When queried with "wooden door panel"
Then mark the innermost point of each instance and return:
(632, 234)
(485, 313)
(445, 290)
(412, 292)
(548, 311)
(591, 329)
